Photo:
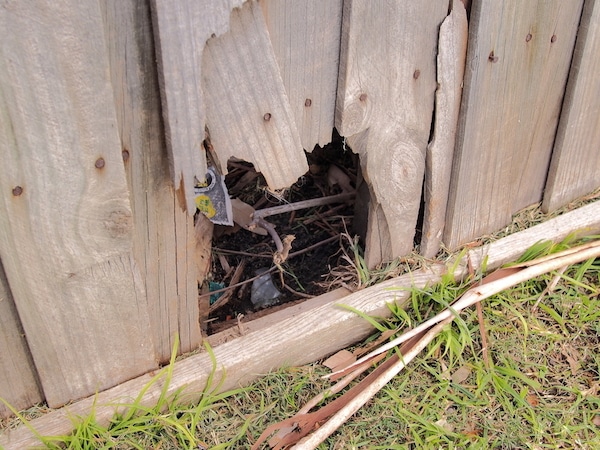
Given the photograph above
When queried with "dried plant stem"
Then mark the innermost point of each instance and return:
(262, 213)
(340, 417)
(502, 279)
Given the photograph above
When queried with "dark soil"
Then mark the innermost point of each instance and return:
(303, 275)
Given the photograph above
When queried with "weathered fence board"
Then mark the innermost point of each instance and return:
(18, 378)
(305, 35)
(517, 65)
(452, 51)
(162, 243)
(385, 104)
(65, 231)
(575, 167)
(181, 31)
(248, 113)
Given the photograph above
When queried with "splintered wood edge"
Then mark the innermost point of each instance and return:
(295, 336)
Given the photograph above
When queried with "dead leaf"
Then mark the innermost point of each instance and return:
(339, 360)
(532, 399)
(460, 375)
(596, 420)
(572, 356)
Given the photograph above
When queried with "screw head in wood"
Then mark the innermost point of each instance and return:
(307, 102)
(363, 97)
(417, 74)
(553, 38)
(492, 58)
(528, 37)
(267, 117)
(100, 163)
(125, 154)
(17, 190)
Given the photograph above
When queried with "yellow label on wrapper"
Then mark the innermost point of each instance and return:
(205, 206)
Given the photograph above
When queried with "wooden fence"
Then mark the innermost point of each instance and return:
(103, 110)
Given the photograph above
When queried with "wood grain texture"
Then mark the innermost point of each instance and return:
(517, 66)
(181, 30)
(310, 335)
(248, 113)
(386, 86)
(65, 221)
(452, 52)
(163, 242)
(575, 167)
(305, 35)
(18, 378)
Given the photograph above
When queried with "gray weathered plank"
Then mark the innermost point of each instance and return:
(181, 30)
(517, 65)
(385, 102)
(305, 35)
(248, 113)
(575, 167)
(162, 243)
(65, 221)
(452, 52)
(310, 335)
(18, 378)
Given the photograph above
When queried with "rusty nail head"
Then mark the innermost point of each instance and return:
(363, 97)
(267, 117)
(99, 163)
(492, 58)
(307, 102)
(417, 74)
(125, 154)
(17, 190)
(553, 38)
(528, 38)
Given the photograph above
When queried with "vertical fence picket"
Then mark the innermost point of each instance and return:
(575, 167)
(385, 106)
(305, 35)
(65, 221)
(163, 240)
(517, 64)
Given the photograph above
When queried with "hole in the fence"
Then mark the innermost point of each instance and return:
(240, 255)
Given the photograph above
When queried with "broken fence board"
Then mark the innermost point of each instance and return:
(162, 244)
(248, 113)
(452, 51)
(181, 30)
(385, 103)
(575, 167)
(305, 35)
(18, 378)
(517, 65)
(301, 338)
(66, 221)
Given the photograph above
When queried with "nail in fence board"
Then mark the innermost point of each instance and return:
(18, 379)
(181, 30)
(575, 167)
(517, 65)
(66, 222)
(452, 52)
(385, 103)
(305, 35)
(163, 240)
(248, 113)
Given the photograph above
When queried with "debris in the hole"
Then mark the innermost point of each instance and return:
(215, 286)
(264, 293)
(212, 198)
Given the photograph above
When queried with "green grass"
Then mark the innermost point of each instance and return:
(539, 390)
